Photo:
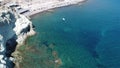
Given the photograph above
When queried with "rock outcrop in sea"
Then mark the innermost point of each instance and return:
(14, 29)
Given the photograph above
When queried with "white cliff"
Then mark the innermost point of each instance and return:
(14, 29)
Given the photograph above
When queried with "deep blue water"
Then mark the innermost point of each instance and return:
(88, 38)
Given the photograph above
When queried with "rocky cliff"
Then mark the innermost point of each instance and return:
(14, 29)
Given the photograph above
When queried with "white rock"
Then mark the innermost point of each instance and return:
(10, 27)
(56, 61)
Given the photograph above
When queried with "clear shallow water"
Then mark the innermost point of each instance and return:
(88, 38)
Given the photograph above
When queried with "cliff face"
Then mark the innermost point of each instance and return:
(14, 29)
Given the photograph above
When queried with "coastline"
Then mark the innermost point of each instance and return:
(48, 22)
(33, 10)
(21, 40)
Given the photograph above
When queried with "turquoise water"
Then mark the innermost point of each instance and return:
(88, 38)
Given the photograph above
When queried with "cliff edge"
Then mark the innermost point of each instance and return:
(14, 29)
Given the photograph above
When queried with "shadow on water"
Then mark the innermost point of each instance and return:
(90, 39)
(108, 48)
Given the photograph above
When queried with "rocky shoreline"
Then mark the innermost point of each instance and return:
(14, 29)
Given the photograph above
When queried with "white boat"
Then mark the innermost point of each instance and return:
(63, 19)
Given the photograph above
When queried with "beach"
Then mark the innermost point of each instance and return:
(37, 6)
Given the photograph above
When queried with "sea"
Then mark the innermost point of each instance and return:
(77, 36)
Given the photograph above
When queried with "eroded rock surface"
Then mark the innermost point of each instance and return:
(14, 29)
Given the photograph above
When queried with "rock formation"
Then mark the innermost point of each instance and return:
(14, 29)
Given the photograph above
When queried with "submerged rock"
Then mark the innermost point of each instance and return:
(14, 29)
